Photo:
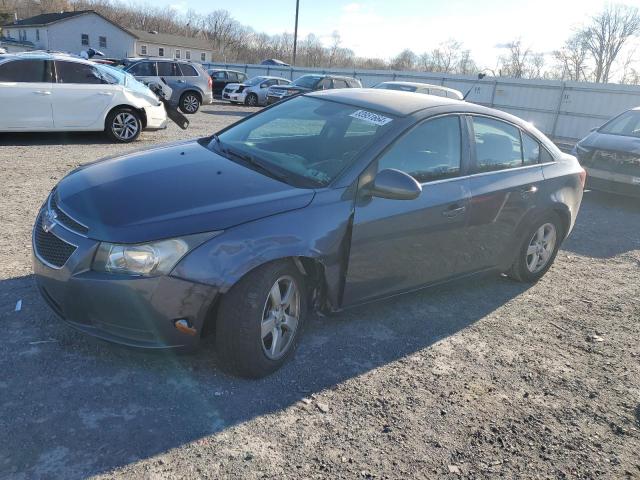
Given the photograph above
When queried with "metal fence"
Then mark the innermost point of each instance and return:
(566, 111)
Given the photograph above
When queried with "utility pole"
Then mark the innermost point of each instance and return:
(295, 34)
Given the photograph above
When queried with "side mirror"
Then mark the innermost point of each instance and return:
(395, 185)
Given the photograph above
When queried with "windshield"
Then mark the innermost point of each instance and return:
(626, 124)
(306, 141)
(254, 81)
(306, 81)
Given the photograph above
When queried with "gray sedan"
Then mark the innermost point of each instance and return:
(325, 201)
(253, 92)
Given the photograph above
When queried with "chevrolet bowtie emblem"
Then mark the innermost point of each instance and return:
(48, 220)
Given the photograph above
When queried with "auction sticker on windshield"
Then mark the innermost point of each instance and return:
(370, 117)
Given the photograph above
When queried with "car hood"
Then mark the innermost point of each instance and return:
(170, 191)
(293, 88)
(605, 141)
(233, 85)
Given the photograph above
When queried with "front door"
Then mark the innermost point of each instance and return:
(397, 245)
(25, 95)
(81, 96)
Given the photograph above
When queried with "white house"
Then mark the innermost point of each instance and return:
(76, 31)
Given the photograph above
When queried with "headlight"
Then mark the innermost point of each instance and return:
(146, 259)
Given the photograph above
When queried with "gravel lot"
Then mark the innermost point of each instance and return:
(479, 379)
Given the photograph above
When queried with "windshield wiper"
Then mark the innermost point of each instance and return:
(255, 162)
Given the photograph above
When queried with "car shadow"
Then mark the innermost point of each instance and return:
(83, 406)
(53, 138)
(607, 226)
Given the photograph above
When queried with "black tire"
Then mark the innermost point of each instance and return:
(123, 125)
(251, 100)
(190, 103)
(520, 270)
(239, 342)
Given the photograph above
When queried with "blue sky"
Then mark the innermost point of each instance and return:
(382, 28)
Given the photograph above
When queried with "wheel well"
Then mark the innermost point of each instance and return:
(140, 111)
(311, 268)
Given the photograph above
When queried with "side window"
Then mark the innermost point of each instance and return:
(531, 150)
(144, 69)
(25, 71)
(545, 156)
(242, 77)
(232, 76)
(437, 92)
(84, 39)
(283, 82)
(497, 145)
(430, 151)
(74, 72)
(220, 75)
(168, 69)
(339, 83)
(188, 70)
(324, 84)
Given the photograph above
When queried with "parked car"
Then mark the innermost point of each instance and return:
(63, 93)
(222, 78)
(611, 155)
(309, 83)
(424, 88)
(253, 92)
(190, 83)
(324, 201)
(274, 62)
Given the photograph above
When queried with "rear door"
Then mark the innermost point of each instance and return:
(504, 188)
(398, 245)
(219, 81)
(25, 94)
(80, 96)
(145, 71)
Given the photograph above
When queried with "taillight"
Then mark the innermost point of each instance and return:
(583, 178)
(210, 82)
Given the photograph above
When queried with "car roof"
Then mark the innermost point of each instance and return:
(42, 55)
(421, 84)
(402, 104)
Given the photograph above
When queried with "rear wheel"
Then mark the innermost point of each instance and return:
(189, 102)
(123, 125)
(538, 249)
(260, 320)
(251, 100)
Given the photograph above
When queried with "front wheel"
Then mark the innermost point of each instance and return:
(538, 250)
(189, 102)
(123, 125)
(251, 100)
(260, 320)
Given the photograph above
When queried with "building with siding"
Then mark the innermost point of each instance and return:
(76, 31)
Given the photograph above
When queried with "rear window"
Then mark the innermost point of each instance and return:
(23, 71)
(168, 69)
(626, 124)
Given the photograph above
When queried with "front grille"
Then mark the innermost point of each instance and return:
(50, 248)
(613, 161)
(65, 220)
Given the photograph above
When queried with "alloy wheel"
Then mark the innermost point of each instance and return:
(280, 317)
(191, 103)
(541, 247)
(125, 126)
(252, 100)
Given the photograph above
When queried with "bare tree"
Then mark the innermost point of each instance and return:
(572, 57)
(514, 63)
(406, 60)
(607, 34)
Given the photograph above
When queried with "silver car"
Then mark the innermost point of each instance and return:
(425, 88)
(190, 83)
(253, 92)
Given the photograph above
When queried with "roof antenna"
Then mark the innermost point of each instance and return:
(480, 77)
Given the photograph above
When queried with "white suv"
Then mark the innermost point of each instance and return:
(57, 92)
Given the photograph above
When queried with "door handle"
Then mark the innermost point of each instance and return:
(454, 211)
(528, 190)
(42, 92)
